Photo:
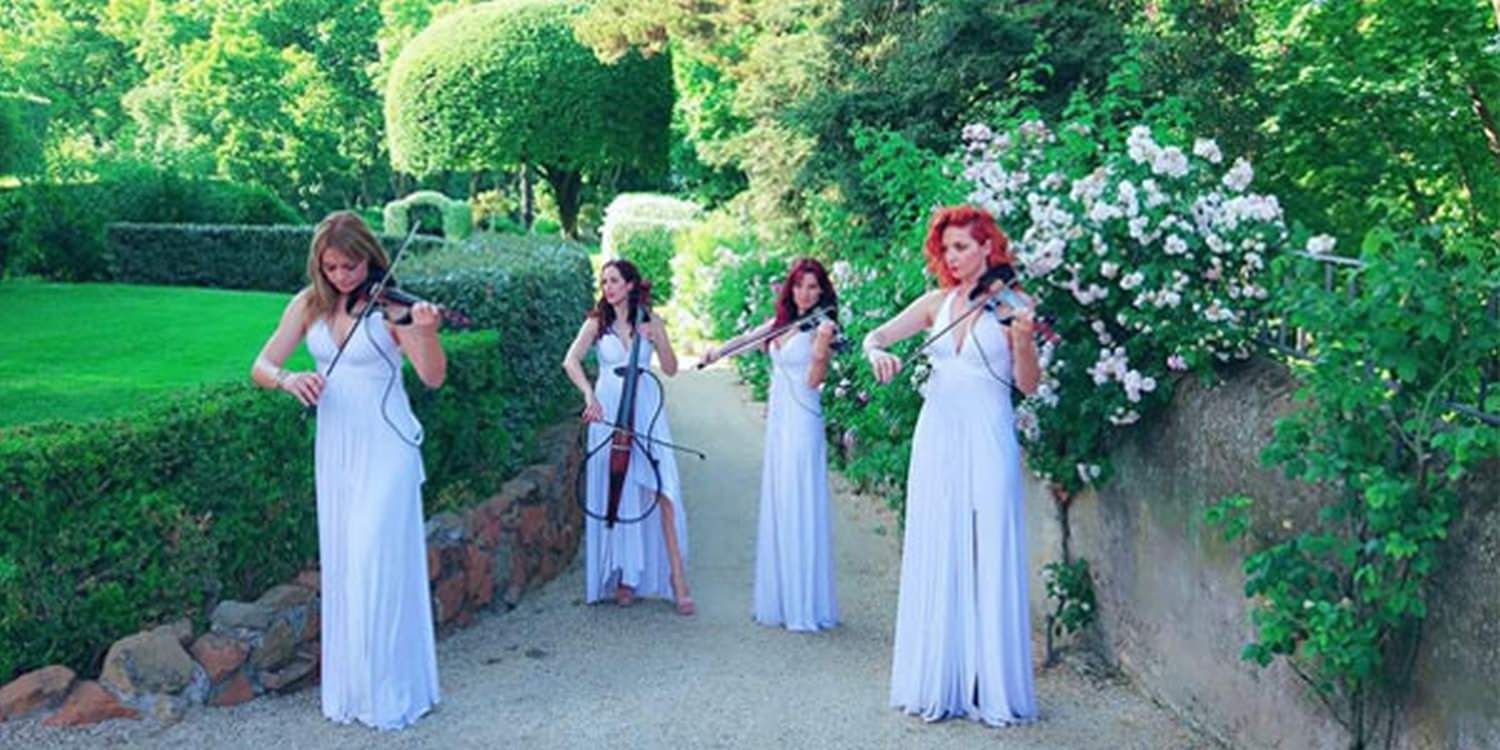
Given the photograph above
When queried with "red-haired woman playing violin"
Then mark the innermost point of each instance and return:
(963, 632)
(794, 581)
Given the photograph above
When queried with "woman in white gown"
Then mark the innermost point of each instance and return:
(643, 552)
(794, 582)
(963, 630)
(379, 664)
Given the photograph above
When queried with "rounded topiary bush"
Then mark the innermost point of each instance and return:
(501, 84)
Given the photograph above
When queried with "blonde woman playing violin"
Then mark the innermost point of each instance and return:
(379, 664)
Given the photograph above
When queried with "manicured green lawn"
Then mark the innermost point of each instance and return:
(83, 351)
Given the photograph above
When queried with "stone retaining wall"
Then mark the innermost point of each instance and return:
(1172, 610)
(520, 538)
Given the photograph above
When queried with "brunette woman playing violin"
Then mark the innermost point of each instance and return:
(379, 663)
(794, 581)
(636, 530)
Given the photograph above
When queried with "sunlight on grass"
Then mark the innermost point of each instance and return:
(84, 351)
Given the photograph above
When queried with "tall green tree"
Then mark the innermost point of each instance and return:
(23, 126)
(270, 91)
(1382, 111)
(507, 84)
(63, 50)
(1203, 54)
(783, 85)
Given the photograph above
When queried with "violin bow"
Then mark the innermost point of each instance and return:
(369, 306)
(820, 311)
(658, 441)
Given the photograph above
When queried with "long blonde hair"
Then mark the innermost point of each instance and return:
(346, 232)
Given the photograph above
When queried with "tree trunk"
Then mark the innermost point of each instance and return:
(528, 198)
(567, 187)
(1486, 119)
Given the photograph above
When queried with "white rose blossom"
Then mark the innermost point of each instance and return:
(1205, 148)
(1321, 244)
(1239, 176)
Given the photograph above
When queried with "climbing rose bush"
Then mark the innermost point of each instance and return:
(1150, 257)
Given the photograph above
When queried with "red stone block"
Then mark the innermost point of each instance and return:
(488, 532)
(433, 563)
(42, 688)
(533, 521)
(479, 568)
(234, 692)
(89, 703)
(219, 654)
(450, 597)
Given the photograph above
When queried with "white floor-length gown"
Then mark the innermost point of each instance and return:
(379, 661)
(631, 553)
(794, 583)
(963, 630)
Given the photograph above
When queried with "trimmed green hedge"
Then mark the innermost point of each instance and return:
(110, 527)
(271, 258)
(458, 217)
(58, 230)
(114, 525)
(534, 290)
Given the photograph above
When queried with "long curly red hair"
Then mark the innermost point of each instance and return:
(982, 228)
(786, 306)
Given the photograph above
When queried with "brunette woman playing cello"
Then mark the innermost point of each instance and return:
(636, 530)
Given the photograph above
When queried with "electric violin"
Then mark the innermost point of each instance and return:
(996, 286)
(385, 295)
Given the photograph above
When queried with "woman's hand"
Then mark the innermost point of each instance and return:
(306, 386)
(425, 317)
(593, 411)
(826, 330)
(885, 364)
(1023, 323)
